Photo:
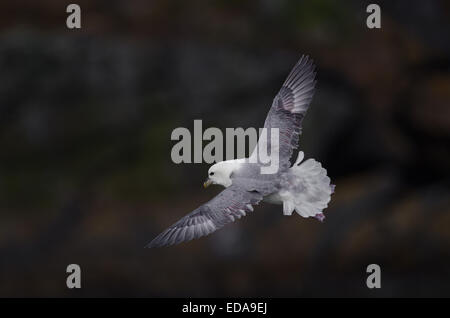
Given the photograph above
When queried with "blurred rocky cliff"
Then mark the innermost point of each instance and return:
(86, 117)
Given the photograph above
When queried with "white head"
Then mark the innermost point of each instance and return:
(220, 173)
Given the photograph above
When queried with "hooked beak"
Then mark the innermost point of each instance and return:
(207, 183)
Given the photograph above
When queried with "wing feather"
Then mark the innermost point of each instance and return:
(213, 215)
(288, 110)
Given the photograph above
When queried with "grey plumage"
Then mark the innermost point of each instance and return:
(288, 109)
(249, 186)
(231, 203)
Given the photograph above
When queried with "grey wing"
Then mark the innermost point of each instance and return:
(288, 109)
(231, 203)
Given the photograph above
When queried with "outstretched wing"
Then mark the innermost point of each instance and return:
(288, 109)
(231, 203)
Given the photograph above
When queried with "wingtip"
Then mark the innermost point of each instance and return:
(156, 242)
(305, 58)
(155, 245)
(304, 69)
(150, 245)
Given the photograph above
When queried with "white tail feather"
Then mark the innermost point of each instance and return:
(288, 207)
(307, 188)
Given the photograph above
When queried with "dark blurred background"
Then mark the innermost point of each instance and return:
(86, 117)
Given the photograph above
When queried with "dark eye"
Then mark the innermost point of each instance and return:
(211, 173)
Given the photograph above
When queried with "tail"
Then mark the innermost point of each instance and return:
(307, 189)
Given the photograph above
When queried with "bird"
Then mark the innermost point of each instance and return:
(303, 187)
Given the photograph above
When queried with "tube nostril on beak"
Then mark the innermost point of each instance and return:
(207, 183)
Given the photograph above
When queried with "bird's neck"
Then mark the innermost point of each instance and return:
(231, 166)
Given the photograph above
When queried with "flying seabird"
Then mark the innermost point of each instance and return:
(303, 187)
